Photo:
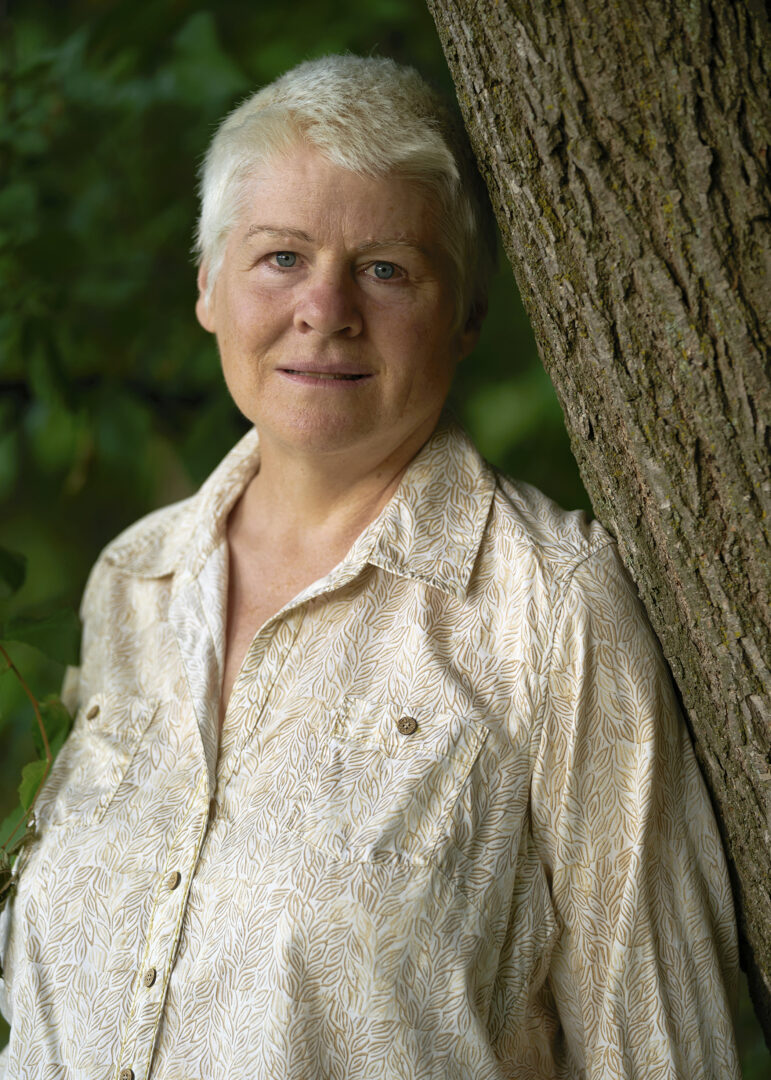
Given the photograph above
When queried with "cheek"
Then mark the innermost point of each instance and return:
(422, 325)
(252, 322)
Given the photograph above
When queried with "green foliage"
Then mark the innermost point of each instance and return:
(57, 634)
(32, 776)
(13, 570)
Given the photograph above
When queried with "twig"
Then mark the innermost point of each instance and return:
(33, 700)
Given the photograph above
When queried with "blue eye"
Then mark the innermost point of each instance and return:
(384, 270)
(285, 258)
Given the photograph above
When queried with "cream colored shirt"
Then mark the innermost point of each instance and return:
(453, 827)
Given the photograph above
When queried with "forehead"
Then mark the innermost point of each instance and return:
(303, 191)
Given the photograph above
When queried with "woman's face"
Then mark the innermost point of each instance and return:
(334, 311)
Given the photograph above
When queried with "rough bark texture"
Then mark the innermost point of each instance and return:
(624, 146)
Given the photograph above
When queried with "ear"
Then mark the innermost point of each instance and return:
(204, 309)
(469, 334)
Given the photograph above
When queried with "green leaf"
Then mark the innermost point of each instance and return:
(13, 826)
(13, 570)
(57, 635)
(51, 431)
(57, 722)
(31, 778)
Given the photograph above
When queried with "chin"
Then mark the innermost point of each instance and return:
(318, 434)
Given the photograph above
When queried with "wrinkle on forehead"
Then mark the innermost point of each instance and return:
(322, 189)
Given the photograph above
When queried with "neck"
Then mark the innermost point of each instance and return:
(299, 500)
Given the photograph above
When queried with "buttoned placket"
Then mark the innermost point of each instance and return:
(164, 928)
(265, 659)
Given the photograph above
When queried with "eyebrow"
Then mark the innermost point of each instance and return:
(395, 241)
(370, 245)
(272, 230)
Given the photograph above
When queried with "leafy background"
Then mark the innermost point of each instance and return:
(111, 398)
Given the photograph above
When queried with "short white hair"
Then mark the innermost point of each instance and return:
(374, 117)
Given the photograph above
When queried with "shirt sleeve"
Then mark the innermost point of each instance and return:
(644, 970)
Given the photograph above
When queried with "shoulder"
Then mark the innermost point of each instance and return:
(570, 561)
(149, 548)
(565, 572)
(533, 529)
(573, 567)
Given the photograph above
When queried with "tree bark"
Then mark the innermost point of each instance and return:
(624, 146)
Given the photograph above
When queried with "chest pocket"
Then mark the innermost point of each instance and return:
(384, 782)
(94, 760)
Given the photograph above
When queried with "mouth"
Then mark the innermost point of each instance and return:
(325, 376)
(322, 374)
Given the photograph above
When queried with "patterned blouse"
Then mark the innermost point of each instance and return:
(453, 826)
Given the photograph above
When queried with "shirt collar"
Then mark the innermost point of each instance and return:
(430, 530)
(432, 527)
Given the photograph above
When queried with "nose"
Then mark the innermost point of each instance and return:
(328, 304)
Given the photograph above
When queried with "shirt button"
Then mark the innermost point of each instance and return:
(92, 713)
(126, 1074)
(149, 978)
(173, 879)
(407, 724)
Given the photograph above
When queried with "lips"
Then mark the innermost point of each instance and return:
(324, 374)
(314, 374)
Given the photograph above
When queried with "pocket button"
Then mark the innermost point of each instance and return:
(173, 879)
(407, 725)
(92, 713)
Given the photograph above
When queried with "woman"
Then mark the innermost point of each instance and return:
(376, 770)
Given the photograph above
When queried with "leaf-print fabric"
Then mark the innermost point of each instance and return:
(452, 828)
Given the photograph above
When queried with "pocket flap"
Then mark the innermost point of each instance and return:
(385, 782)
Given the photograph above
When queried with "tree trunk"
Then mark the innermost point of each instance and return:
(624, 147)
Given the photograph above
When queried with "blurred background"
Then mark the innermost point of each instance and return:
(111, 397)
